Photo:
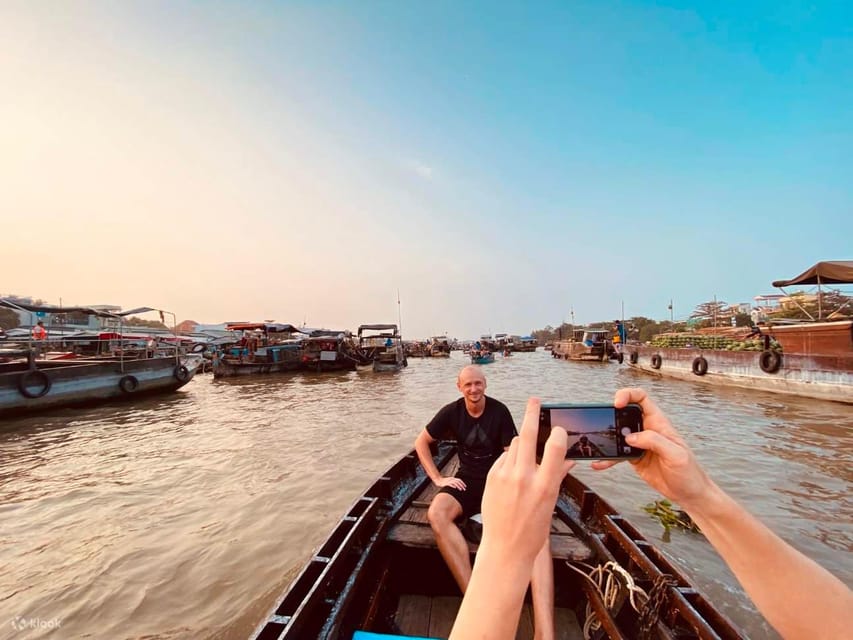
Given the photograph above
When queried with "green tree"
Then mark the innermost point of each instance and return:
(8, 318)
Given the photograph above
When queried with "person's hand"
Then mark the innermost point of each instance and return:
(668, 465)
(455, 483)
(519, 498)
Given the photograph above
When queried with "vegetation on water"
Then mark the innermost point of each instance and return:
(670, 517)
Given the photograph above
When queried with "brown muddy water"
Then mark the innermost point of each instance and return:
(186, 516)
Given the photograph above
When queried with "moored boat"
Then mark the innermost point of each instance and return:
(379, 571)
(265, 347)
(807, 359)
(585, 344)
(29, 383)
(382, 347)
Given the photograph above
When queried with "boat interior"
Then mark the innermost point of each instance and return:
(393, 582)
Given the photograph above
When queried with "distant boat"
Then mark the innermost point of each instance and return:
(381, 347)
(482, 358)
(585, 344)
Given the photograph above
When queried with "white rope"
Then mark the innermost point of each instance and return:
(609, 580)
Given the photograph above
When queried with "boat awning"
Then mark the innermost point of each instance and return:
(828, 272)
(377, 327)
(269, 327)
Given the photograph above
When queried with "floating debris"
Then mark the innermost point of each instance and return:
(670, 517)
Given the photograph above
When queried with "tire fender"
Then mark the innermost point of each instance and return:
(34, 377)
(128, 384)
(656, 361)
(770, 361)
(182, 373)
(634, 357)
(700, 366)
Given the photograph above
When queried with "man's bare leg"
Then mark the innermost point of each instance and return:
(542, 590)
(443, 510)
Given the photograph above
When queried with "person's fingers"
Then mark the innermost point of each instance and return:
(529, 433)
(555, 455)
(601, 465)
(510, 455)
(653, 418)
(659, 444)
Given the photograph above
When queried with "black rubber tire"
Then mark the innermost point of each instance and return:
(31, 378)
(700, 366)
(770, 361)
(656, 361)
(182, 373)
(128, 384)
(634, 357)
(198, 348)
(620, 358)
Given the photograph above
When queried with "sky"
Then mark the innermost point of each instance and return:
(501, 165)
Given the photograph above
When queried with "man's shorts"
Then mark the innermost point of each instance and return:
(471, 499)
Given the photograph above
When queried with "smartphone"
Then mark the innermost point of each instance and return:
(596, 431)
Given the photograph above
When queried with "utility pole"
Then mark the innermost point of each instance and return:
(671, 314)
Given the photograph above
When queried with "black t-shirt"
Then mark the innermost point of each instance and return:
(481, 440)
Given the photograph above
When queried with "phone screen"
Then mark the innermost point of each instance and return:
(595, 432)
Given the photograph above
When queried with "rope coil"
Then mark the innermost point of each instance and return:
(611, 580)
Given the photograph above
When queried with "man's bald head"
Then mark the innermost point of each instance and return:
(470, 371)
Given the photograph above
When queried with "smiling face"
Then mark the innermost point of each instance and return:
(472, 385)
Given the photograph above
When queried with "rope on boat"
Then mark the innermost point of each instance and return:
(610, 580)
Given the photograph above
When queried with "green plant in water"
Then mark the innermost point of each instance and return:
(670, 517)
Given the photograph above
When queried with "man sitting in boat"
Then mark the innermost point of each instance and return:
(585, 449)
(483, 428)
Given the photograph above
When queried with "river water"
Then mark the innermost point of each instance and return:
(185, 516)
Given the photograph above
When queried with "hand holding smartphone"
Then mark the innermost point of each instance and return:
(596, 431)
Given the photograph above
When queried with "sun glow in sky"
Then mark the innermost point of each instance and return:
(498, 166)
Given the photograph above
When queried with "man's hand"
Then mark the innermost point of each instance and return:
(455, 483)
(668, 465)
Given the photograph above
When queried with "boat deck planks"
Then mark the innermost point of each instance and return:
(434, 617)
(413, 528)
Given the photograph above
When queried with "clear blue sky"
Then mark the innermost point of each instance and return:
(499, 164)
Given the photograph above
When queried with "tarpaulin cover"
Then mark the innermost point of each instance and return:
(829, 272)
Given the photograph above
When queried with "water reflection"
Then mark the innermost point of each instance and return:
(111, 516)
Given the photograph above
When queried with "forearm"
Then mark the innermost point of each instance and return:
(816, 604)
(492, 604)
(425, 456)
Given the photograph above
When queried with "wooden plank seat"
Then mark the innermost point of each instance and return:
(413, 530)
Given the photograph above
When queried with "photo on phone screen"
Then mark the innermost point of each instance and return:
(595, 432)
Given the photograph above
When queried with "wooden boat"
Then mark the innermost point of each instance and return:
(260, 351)
(381, 347)
(814, 359)
(439, 347)
(122, 370)
(334, 351)
(585, 345)
(483, 357)
(380, 572)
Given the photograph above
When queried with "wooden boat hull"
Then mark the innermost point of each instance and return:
(235, 369)
(570, 350)
(86, 382)
(379, 570)
(814, 376)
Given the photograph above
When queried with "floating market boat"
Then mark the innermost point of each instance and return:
(380, 572)
(809, 359)
(29, 383)
(585, 344)
(382, 347)
(482, 357)
(265, 347)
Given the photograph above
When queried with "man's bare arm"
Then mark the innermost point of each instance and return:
(422, 443)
